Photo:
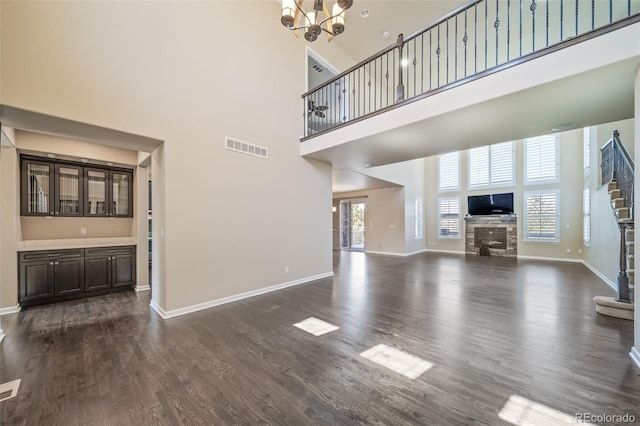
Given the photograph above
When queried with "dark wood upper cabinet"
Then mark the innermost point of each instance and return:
(37, 188)
(61, 188)
(108, 192)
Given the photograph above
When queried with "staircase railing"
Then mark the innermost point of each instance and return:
(617, 166)
(475, 40)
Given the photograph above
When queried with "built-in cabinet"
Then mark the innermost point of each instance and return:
(55, 275)
(109, 267)
(61, 188)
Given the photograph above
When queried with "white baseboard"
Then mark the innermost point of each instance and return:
(145, 287)
(444, 251)
(217, 302)
(551, 259)
(10, 310)
(601, 276)
(635, 356)
(386, 253)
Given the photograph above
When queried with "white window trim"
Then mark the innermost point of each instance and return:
(457, 187)
(418, 210)
(524, 214)
(555, 179)
(493, 185)
(586, 150)
(586, 213)
(453, 237)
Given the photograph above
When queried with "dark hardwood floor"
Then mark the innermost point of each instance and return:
(492, 328)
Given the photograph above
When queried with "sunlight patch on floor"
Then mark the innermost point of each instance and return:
(523, 412)
(394, 359)
(9, 390)
(316, 327)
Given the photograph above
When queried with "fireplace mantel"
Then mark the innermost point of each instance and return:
(500, 223)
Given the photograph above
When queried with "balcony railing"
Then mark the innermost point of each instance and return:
(477, 39)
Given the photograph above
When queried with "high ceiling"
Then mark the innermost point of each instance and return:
(363, 36)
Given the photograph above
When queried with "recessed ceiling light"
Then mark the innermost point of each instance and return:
(109, 163)
(51, 155)
(364, 13)
(386, 34)
(404, 62)
(563, 127)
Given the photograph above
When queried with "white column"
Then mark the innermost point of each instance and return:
(141, 214)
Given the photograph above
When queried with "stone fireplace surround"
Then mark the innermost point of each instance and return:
(508, 222)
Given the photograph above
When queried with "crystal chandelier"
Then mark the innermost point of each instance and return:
(295, 18)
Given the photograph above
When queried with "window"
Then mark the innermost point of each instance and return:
(491, 165)
(541, 159)
(418, 225)
(449, 172)
(449, 217)
(541, 219)
(586, 149)
(586, 214)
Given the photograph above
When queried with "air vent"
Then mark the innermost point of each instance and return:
(317, 68)
(246, 148)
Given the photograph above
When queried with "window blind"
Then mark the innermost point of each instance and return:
(586, 149)
(449, 171)
(541, 216)
(418, 226)
(449, 217)
(541, 159)
(491, 165)
(586, 214)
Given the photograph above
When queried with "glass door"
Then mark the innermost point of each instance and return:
(68, 190)
(120, 190)
(96, 192)
(352, 224)
(38, 188)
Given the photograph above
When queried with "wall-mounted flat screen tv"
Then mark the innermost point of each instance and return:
(490, 204)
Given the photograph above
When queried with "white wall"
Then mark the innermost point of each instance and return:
(636, 348)
(227, 223)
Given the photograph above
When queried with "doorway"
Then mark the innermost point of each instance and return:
(352, 224)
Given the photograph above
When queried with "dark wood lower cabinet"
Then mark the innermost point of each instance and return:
(56, 275)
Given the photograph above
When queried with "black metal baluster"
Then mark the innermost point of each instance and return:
(438, 55)
(415, 62)
(447, 54)
(344, 95)
(486, 35)
(547, 25)
(375, 86)
(465, 39)
(394, 74)
(533, 25)
(496, 24)
(508, 30)
(455, 58)
(386, 89)
(561, 20)
(610, 11)
(430, 59)
(422, 63)
(577, 17)
(369, 84)
(475, 39)
(520, 41)
(628, 7)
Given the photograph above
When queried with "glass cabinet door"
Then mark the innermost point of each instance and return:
(120, 193)
(68, 190)
(95, 192)
(37, 188)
